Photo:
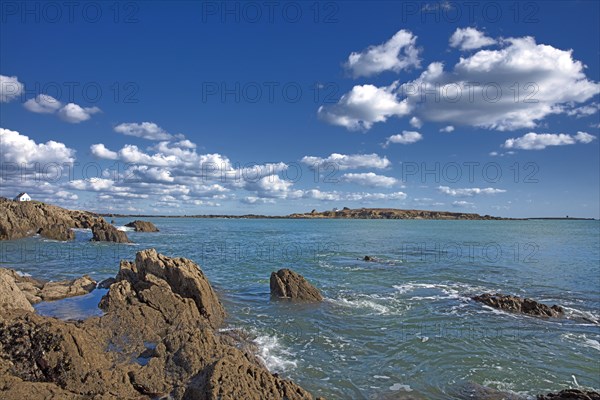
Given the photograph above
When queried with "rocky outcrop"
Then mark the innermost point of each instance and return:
(183, 276)
(571, 394)
(155, 340)
(286, 284)
(36, 290)
(57, 232)
(105, 232)
(516, 304)
(27, 218)
(142, 226)
(11, 296)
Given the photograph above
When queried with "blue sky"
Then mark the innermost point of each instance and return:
(193, 108)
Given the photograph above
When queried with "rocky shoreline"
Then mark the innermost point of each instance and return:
(158, 339)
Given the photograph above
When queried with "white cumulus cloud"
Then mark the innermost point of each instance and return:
(365, 105)
(539, 141)
(398, 53)
(348, 161)
(470, 39)
(370, 179)
(75, 114)
(43, 104)
(146, 130)
(406, 137)
(469, 192)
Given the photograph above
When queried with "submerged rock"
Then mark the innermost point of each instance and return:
(155, 340)
(142, 226)
(517, 304)
(104, 232)
(368, 258)
(571, 394)
(287, 284)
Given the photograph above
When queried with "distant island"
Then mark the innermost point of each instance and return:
(345, 213)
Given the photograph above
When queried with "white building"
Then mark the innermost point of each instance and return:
(23, 197)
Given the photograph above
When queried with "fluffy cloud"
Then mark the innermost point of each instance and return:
(406, 137)
(506, 89)
(513, 87)
(470, 39)
(469, 192)
(416, 122)
(10, 88)
(146, 130)
(43, 104)
(100, 151)
(17, 148)
(75, 114)
(447, 129)
(539, 141)
(352, 161)
(365, 105)
(398, 53)
(370, 179)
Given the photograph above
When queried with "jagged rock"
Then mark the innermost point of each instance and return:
(368, 258)
(58, 232)
(474, 391)
(183, 276)
(104, 232)
(142, 226)
(11, 296)
(287, 284)
(571, 394)
(517, 304)
(20, 219)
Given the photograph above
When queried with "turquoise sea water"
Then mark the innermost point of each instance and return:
(403, 324)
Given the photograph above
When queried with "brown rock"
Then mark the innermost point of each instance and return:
(287, 284)
(20, 219)
(571, 394)
(58, 232)
(11, 296)
(69, 288)
(185, 279)
(142, 226)
(104, 232)
(517, 304)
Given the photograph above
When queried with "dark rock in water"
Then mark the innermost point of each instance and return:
(142, 226)
(112, 221)
(58, 232)
(368, 258)
(517, 304)
(287, 284)
(571, 394)
(105, 284)
(104, 232)
(155, 340)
